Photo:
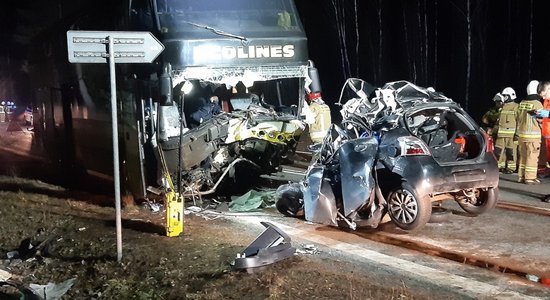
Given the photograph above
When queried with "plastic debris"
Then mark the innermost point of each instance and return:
(152, 206)
(533, 278)
(308, 249)
(192, 209)
(5, 275)
(52, 291)
(252, 200)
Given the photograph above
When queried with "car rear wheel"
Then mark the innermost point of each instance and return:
(480, 202)
(407, 210)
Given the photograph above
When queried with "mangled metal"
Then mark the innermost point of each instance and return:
(257, 137)
(398, 148)
(271, 246)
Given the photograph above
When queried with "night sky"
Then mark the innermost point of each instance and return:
(467, 49)
(426, 42)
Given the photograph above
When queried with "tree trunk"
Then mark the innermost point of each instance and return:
(469, 55)
(380, 36)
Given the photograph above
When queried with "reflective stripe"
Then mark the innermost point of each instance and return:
(505, 131)
(526, 106)
(529, 136)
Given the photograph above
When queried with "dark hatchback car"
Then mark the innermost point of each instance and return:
(425, 147)
(434, 149)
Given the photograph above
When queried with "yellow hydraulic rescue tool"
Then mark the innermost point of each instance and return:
(173, 202)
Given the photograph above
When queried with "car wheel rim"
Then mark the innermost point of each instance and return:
(403, 206)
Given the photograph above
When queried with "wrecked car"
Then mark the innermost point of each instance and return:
(398, 150)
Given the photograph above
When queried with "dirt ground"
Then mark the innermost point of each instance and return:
(75, 233)
(81, 243)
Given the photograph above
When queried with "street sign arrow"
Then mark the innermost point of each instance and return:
(128, 46)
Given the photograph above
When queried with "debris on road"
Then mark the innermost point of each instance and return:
(252, 200)
(308, 249)
(153, 206)
(271, 246)
(52, 291)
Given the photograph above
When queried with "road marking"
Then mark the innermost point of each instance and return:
(437, 277)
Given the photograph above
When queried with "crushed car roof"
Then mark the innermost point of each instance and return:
(408, 94)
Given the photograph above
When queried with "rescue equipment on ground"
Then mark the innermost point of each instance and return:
(173, 202)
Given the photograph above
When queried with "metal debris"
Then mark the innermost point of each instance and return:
(271, 246)
(308, 249)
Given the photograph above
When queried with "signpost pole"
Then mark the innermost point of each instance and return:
(132, 47)
(114, 118)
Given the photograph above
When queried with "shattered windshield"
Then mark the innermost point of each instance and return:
(243, 17)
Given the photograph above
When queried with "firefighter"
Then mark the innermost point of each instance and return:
(317, 113)
(544, 88)
(320, 121)
(528, 131)
(506, 128)
(490, 118)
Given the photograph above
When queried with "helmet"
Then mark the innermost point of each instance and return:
(510, 93)
(498, 98)
(532, 87)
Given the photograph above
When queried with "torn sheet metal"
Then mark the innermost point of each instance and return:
(271, 246)
(319, 201)
(356, 164)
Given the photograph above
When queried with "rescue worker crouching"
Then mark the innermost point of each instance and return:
(528, 131)
(505, 148)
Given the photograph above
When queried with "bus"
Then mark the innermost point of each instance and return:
(210, 46)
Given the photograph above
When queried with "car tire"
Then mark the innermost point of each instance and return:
(290, 200)
(485, 201)
(439, 215)
(407, 209)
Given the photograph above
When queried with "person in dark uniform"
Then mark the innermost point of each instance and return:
(241, 100)
(206, 111)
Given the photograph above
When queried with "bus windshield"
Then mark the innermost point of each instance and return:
(237, 17)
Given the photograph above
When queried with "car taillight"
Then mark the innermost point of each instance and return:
(489, 143)
(411, 145)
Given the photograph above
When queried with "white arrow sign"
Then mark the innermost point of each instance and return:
(113, 47)
(129, 46)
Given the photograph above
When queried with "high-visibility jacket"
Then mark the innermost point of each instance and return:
(318, 130)
(546, 121)
(507, 120)
(528, 128)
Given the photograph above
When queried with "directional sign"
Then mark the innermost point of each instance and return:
(113, 47)
(128, 46)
